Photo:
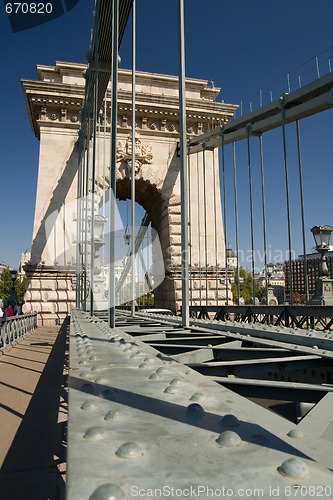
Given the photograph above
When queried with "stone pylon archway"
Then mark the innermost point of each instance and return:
(54, 102)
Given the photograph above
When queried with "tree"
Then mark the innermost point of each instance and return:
(20, 289)
(261, 293)
(147, 299)
(245, 285)
(5, 283)
(298, 298)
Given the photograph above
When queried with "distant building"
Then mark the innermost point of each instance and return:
(231, 258)
(298, 273)
(3, 266)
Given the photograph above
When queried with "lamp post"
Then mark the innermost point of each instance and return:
(13, 297)
(127, 237)
(271, 300)
(324, 285)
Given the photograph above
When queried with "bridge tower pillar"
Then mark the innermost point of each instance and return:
(54, 102)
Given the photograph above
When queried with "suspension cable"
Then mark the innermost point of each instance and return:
(236, 219)
(224, 213)
(205, 223)
(183, 169)
(248, 131)
(93, 166)
(215, 231)
(113, 156)
(133, 157)
(263, 206)
(300, 172)
(86, 203)
(282, 103)
(190, 231)
(199, 231)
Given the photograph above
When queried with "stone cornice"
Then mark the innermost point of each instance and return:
(45, 99)
(53, 102)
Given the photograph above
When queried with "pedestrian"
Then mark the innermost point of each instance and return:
(9, 311)
(18, 309)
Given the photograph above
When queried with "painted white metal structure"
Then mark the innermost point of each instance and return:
(146, 424)
(162, 407)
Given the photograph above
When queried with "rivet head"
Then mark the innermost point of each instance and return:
(149, 359)
(296, 434)
(108, 491)
(144, 366)
(294, 467)
(112, 415)
(314, 347)
(229, 421)
(129, 450)
(197, 396)
(177, 382)
(162, 370)
(87, 375)
(89, 405)
(103, 380)
(229, 439)
(95, 434)
(171, 389)
(98, 368)
(154, 376)
(128, 349)
(89, 388)
(108, 394)
(135, 356)
(195, 410)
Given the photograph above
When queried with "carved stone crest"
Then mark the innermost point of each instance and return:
(143, 153)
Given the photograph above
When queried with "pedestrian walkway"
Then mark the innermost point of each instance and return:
(33, 416)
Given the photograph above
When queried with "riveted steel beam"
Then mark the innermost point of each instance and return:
(277, 390)
(132, 409)
(308, 100)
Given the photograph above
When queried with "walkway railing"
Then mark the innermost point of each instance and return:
(299, 316)
(15, 328)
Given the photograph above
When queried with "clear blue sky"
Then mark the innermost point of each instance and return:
(241, 45)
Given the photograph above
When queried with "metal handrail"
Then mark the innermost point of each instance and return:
(300, 316)
(15, 328)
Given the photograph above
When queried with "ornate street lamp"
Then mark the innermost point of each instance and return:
(127, 236)
(13, 297)
(270, 298)
(324, 285)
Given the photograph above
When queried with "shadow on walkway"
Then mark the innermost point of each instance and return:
(34, 466)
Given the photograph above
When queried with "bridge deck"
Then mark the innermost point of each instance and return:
(33, 411)
(145, 416)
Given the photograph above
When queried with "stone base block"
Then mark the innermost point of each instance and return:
(49, 292)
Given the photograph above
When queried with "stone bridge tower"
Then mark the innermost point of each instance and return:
(54, 102)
